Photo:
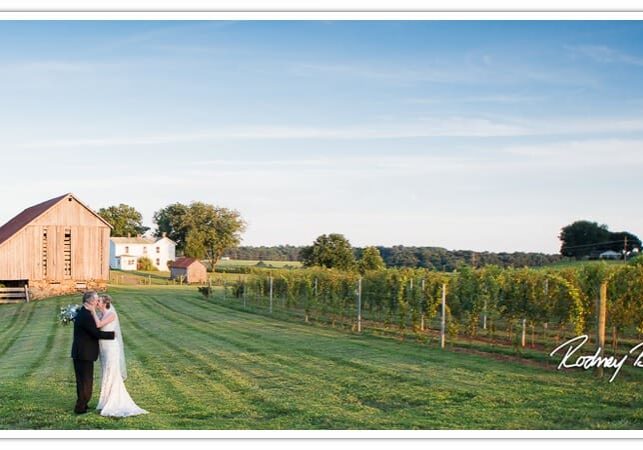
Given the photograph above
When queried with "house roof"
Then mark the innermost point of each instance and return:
(132, 240)
(32, 213)
(184, 262)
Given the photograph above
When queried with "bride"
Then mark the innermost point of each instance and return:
(114, 400)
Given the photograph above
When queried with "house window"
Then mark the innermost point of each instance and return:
(67, 252)
(44, 252)
(145, 250)
(158, 249)
(126, 250)
(158, 262)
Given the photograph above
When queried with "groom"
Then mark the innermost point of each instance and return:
(84, 350)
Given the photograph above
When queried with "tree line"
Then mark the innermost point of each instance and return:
(205, 231)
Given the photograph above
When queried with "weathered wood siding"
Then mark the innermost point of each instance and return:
(22, 258)
(197, 273)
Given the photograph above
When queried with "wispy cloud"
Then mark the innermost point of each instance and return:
(52, 66)
(500, 98)
(429, 127)
(425, 127)
(605, 54)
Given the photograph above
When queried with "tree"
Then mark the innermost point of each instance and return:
(145, 264)
(582, 238)
(330, 251)
(201, 230)
(403, 257)
(125, 219)
(173, 220)
(371, 260)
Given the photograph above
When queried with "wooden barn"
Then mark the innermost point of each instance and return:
(189, 270)
(55, 247)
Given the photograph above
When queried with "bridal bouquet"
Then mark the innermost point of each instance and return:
(68, 313)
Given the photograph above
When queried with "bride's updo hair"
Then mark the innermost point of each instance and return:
(107, 300)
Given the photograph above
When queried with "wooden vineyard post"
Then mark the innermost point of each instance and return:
(444, 311)
(271, 295)
(484, 316)
(359, 305)
(600, 329)
(545, 325)
(422, 308)
(243, 293)
(523, 340)
(26, 293)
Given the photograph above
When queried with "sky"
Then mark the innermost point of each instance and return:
(480, 135)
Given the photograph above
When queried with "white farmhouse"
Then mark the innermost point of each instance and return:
(124, 252)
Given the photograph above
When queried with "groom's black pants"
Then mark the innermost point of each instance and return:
(84, 383)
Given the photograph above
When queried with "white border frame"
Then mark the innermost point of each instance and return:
(21, 13)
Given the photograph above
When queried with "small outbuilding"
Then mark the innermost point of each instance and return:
(189, 270)
(610, 254)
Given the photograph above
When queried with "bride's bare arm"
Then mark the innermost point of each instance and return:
(104, 321)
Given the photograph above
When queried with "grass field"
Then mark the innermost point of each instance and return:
(197, 364)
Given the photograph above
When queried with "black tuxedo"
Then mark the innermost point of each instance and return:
(84, 351)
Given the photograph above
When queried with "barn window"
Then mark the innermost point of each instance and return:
(44, 252)
(67, 252)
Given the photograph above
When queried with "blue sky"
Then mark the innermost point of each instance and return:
(483, 135)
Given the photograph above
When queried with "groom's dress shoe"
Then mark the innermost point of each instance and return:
(80, 412)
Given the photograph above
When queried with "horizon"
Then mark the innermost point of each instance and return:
(472, 135)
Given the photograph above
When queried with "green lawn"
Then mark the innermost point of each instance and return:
(197, 364)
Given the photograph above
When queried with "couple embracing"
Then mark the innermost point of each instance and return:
(97, 332)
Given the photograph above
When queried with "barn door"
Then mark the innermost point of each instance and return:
(67, 260)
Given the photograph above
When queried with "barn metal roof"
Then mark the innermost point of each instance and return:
(184, 262)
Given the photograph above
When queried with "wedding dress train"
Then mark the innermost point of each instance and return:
(114, 399)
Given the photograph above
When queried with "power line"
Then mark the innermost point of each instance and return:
(620, 241)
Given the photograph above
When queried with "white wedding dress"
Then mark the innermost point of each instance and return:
(114, 399)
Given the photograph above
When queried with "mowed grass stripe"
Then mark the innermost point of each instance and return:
(362, 349)
(283, 379)
(9, 318)
(18, 323)
(194, 364)
(204, 395)
(21, 347)
(272, 369)
(234, 381)
(513, 391)
(47, 346)
(347, 383)
(300, 360)
(59, 354)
